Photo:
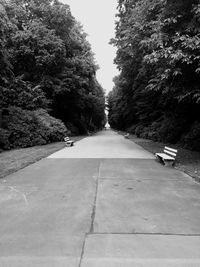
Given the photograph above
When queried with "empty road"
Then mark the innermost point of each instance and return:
(105, 202)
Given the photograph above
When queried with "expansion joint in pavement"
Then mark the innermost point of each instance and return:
(137, 179)
(95, 200)
(138, 233)
(82, 251)
(92, 217)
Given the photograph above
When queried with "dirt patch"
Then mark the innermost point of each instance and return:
(14, 160)
(187, 161)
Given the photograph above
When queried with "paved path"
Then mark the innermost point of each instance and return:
(106, 144)
(105, 202)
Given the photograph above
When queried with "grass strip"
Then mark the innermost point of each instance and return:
(16, 159)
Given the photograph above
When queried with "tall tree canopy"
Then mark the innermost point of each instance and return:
(47, 62)
(157, 93)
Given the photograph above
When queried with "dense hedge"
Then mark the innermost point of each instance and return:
(24, 128)
(170, 131)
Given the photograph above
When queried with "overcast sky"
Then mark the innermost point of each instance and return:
(97, 18)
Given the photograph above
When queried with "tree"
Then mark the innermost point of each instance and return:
(47, 63)
(158, 55)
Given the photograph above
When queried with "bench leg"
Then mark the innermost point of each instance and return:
(68, 145)
(169, 163)
(159, 159)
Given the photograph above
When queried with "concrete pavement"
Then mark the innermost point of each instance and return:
(105, 202)
(106, 144)
(45, 211)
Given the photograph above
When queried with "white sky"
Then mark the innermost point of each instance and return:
(98, 20)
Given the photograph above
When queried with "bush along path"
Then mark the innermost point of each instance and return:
(48, 84)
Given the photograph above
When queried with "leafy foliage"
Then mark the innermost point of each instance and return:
(47, 62)
(157, 92)
(23, 94)
(23, 128)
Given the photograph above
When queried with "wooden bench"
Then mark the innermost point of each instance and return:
(127, 136)
(68, 142)
(168, 157)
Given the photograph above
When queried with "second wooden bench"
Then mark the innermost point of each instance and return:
(68, 142)
(168, 157)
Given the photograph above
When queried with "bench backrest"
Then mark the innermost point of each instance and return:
(170, 151)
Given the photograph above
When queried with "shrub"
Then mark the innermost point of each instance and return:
(22, 127)
(153, 131)
(192, 138)
(171, 130)
(132, 129)
(29, 128)
(138, 130)
(145, 132)
(4, 139)
(153, 135)
(52, 129)
(166, 130)
(71, 129)
(80, 125)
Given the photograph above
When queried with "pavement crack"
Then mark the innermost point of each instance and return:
(13, 189)
(95, 201)
(82, 251)
(92, 216)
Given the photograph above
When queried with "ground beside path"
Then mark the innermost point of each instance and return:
(16, 159)
(105, 202)
(187, 160)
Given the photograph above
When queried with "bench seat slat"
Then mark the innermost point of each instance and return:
(171, 149)
(66, 139)
(164, 156)
(170, 153)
